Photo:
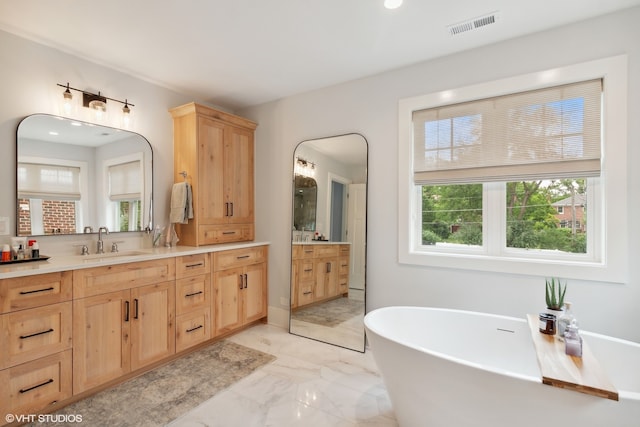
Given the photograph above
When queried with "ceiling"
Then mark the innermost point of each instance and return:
(238, 53)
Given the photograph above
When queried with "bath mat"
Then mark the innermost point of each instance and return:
(165, 393)
(330, 313)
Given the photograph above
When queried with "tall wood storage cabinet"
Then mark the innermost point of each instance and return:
(215, 149)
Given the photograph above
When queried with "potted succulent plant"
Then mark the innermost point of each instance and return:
(554, 295)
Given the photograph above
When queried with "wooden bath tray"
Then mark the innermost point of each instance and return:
(582, 374)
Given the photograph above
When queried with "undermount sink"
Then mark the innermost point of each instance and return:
(94, 257)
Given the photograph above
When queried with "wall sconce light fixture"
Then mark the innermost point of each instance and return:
(96, 102)
(305, 168)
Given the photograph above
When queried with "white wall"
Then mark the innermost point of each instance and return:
(30, 71)
(369, 106)
(29, 74)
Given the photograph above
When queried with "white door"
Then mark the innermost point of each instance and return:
(356, 234)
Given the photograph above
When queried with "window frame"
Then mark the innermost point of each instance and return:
(611, 188)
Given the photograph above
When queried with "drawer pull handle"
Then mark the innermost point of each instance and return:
(24, 337)
(228, 232)
(308, 251)
(24, 390)
(135, 303)
(246, 281)
(307, 293)
(243, 256)
(308, 270)
(37, 290)
(241, 280)
(195, 329)
(193, 294)
(126, 311)
(200, 264)
(231, 209)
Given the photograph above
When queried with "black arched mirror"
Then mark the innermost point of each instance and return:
(328, 240)
(74, 177)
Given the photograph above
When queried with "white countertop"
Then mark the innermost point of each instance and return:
(320, 242)
(76, 262)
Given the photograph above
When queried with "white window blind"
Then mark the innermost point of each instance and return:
(125, 181)
(538, 134)
(52, 182)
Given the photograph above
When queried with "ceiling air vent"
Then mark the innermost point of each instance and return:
(473, 24)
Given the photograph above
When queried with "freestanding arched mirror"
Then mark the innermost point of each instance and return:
(328, 252)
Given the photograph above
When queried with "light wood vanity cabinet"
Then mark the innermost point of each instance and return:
(240, 287)
(36, 340)
(193, 300)
(123, 330)
(216, 150)
(320, 273)
(69, 333)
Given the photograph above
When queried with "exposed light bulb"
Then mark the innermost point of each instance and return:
(68, 100)
(392, 4)
(126, 114)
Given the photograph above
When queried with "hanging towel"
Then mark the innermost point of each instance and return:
(181, 203)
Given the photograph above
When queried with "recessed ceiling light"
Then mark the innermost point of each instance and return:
(392, 4)
(76, 124)
(53, 133)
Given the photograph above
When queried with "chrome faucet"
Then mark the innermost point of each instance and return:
(100, 248)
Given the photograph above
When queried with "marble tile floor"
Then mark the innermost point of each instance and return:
(309, 384)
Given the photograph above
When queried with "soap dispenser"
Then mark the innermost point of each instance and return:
(573, 340)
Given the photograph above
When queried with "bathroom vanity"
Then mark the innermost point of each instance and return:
(319, 272)
(74, 325)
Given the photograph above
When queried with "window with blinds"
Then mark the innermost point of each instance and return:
(125, 181)
(540, 134)
(46, 181)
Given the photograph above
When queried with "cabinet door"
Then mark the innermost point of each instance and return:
(255, 292)
(322, 270)
(152, 323)
(210, 199)
(238, 180)
(228, 285)
(101, 327)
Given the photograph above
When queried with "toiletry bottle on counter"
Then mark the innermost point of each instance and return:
(573, 340)
(35, 250)
(565, 319)
(6, 253)
(20, 252)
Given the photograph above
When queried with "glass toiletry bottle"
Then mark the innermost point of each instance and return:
(565, 320)
(20, 253)
(573, 340)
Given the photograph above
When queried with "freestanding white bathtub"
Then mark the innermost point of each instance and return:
(457, 368)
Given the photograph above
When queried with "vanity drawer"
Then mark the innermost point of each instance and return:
(343, 285)
(239, 257)
(102, 280)
(37, 332)
(325, 251)
(306, 270)
(343, 266)
(193, 293)
(306, 252)
(34, 291)
(211, 234)
(345, 250)
(35, 386)
(305, 293)
(192, 265)
(193, 328)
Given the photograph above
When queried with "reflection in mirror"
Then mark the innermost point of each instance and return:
(328, 253)
(305, 197)
(74, 177)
